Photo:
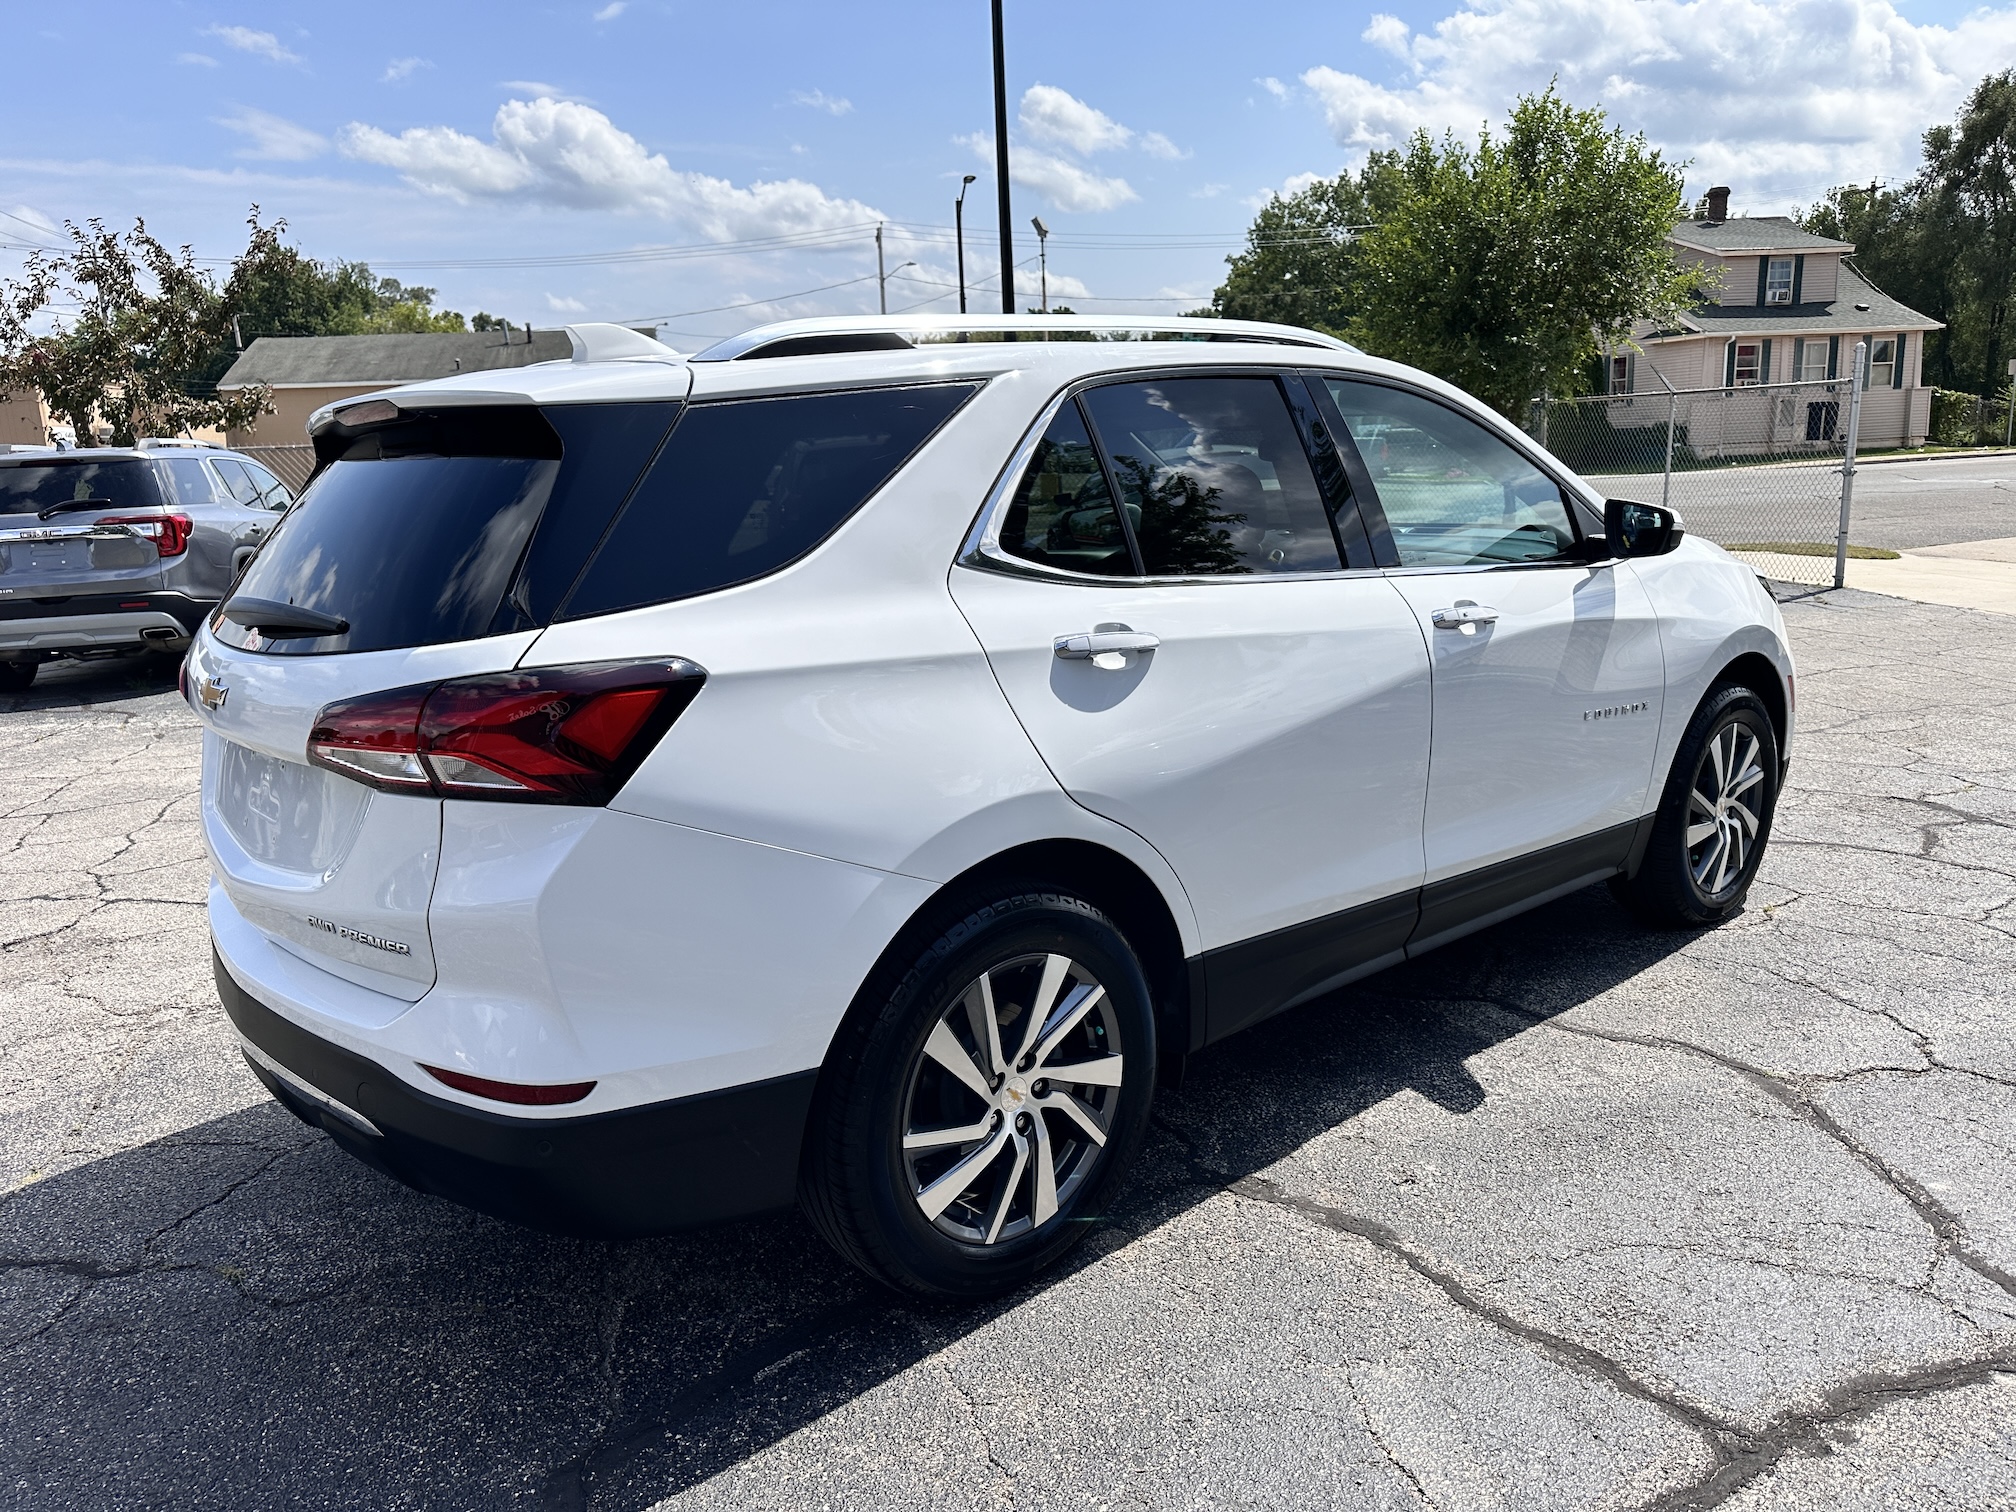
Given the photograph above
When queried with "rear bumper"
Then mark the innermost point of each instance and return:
(88, 621)
(652, 1169)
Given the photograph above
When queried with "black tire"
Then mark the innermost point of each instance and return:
(1683, 884)
(865, 1193)
(17, 677)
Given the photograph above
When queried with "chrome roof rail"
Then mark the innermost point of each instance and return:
(869, 333)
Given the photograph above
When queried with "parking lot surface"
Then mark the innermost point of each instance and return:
(1568, 1215)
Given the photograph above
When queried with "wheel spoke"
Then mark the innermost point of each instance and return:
(1722, 872)
(1043, 1204)
(1103, 1072)
(1749, 779)
(1696, 833)
(938, 1139)
(1715, 754)
(1008, 1189)
(1748, 819)
(937, 1197)
(1055, 969)
(943, 1047)
(1076, 1111)
(1067, 1017)
(1714, 854)
(986, 1027)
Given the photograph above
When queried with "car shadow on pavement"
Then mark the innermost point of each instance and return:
(241, 1314)
(67, 684)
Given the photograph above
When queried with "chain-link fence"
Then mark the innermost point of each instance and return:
(290, 464)
(1757, 470)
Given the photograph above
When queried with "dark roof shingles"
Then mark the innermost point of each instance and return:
(1753, 233)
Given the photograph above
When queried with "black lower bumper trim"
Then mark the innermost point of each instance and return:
(187, 612)
(647, 1170)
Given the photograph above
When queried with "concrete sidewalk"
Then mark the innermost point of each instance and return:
(1967, 575)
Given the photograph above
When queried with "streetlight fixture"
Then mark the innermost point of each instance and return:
(959, 234)
(1043, 257)
(882, 280)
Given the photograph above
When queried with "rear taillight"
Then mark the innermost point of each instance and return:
(544, 735)
(168, 532)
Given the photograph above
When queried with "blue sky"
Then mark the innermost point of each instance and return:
(538, 160)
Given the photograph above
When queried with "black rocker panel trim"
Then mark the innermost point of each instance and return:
(645, 1170)
(1236, 986)
(1480, 898)
(1249, 981)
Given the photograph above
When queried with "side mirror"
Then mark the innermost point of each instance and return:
(1640, 530)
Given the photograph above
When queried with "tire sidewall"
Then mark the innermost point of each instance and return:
(925, 1258)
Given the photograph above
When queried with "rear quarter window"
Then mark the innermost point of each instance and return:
(746, 486)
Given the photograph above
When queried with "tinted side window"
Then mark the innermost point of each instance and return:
(236, 480)
(1214, 476)
(186, 481)
(1454, 495)
(743, 487)
(272, 492)
(1062, 515)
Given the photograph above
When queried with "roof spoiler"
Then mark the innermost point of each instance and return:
(598, 341)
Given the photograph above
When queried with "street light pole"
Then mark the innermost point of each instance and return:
(1043, 257)
(959, 234)
(1001, 168)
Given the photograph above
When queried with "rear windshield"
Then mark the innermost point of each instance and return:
(450, 527)
(121, 483)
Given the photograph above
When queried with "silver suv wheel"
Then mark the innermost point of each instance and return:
(1011, 1098)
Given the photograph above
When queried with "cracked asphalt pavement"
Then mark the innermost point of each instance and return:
(1568, 1215)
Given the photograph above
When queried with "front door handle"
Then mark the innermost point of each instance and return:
(1100, 647)
(1465, 617)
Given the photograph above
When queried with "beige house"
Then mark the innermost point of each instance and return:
(1790, 311)
(307, 372)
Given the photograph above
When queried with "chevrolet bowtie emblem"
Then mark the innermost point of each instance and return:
(212, 692)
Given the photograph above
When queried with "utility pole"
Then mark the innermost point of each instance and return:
(959, 234)
(1043, 257)
(881, 278)
(1001, 168)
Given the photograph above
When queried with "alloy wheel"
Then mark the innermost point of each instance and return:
(1723, 809)
(1011, 1099)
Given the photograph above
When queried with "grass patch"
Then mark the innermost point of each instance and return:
(1817, 549)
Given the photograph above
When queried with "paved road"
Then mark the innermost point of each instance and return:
(1930, 502)
(1567, 1216)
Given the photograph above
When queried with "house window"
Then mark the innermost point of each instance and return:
(1749, 356)
(1813, 362)
(1882, 362)
(1620, 375)
(1778, 281)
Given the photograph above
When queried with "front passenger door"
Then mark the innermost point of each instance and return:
(1548, 677)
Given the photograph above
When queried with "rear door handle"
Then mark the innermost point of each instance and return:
(1095, 645)
(1465, 617)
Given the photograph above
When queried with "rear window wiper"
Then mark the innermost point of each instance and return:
(70, 504)
(279, 621)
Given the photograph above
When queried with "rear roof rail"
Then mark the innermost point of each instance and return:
(879, 333)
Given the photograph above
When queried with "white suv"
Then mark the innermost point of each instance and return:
(850, 765)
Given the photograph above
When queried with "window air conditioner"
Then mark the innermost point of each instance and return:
(1778, 296)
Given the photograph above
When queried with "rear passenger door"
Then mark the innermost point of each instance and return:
(1547, 668)
(1162, 596)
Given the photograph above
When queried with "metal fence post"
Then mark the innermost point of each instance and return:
(1848, 465)
(1672, 411)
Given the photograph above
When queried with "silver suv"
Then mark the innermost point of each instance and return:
(109, 550)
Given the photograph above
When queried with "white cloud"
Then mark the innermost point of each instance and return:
(1050, 115)
(1293, 185)
(199, 60)
(612, 10)
(1208, 191)
(1067, 185)
(559, 152)
(560, 304)
(1779, 98)
(259, 43)
(273, 138)
(1387, 32)
(1157, 145)
(1274, 87)
(539, 89)
(402, 68)
(818, 99)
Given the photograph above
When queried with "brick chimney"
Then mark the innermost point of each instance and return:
(1718, 204)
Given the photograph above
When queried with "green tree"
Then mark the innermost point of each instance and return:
(1300, 250)
(112, 329)
(1508, 268)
